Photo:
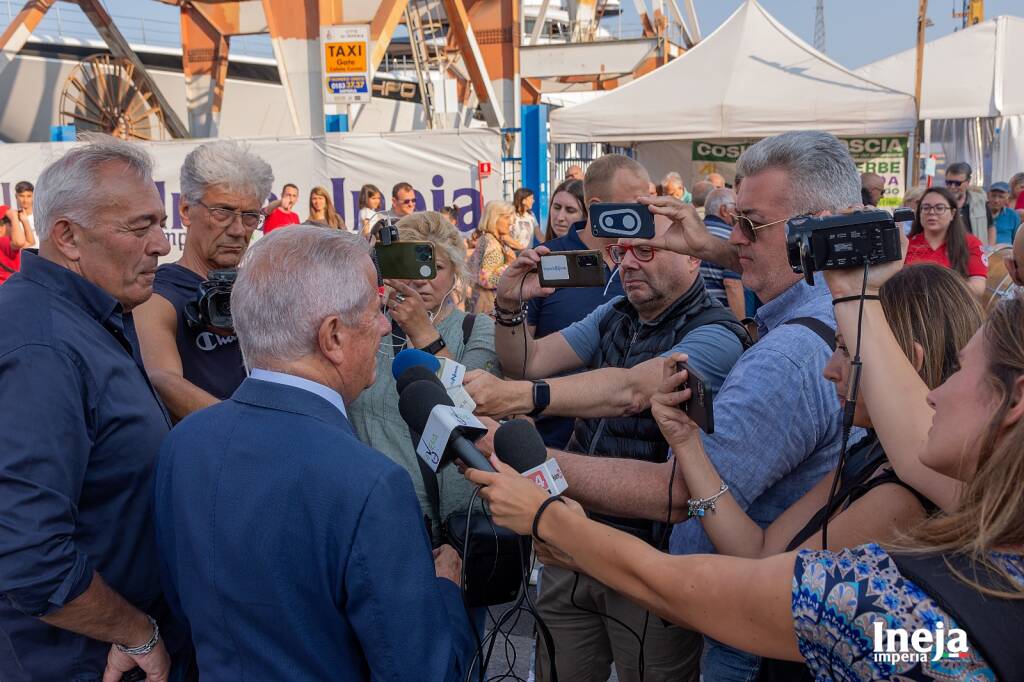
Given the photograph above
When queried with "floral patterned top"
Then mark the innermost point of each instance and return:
(837, 597)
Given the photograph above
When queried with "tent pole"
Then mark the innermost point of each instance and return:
(922, 18)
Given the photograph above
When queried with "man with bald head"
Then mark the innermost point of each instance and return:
(716, 180)
(700, 195)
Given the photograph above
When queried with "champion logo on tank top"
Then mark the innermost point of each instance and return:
(208, 341)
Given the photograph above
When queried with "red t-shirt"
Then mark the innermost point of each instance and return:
(9, 259)
(280, 218)
(920, 252)
(1020, 202)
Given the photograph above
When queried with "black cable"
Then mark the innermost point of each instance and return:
(465, 598)
(848, 411)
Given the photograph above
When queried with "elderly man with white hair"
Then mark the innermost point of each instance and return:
(293, 550)
(191, 364)
(81, 430)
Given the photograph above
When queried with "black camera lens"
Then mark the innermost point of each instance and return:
(423, 257)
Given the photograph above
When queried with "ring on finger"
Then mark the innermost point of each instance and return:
(399, 297)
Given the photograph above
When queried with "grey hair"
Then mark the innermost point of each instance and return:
(226, 163)
(717, 199)
(672, 176)
(822, 174)
(67, 187)
(699, 192)
(289, 282)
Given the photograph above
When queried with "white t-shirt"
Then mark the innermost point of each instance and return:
(522, 229)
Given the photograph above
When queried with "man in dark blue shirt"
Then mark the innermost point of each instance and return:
(81, 428)
(223, 184)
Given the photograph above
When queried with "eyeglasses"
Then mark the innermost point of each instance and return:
(954, 183)
(749, 229)
(406, 201)
(224, 217)
(937, 209)
(617, 252)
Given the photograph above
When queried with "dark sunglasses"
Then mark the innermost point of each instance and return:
(954, 183)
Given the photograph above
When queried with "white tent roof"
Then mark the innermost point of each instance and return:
(974, 72)
(750, 78)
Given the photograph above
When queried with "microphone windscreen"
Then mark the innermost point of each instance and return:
(418, 399)
(518, 444)
(415, 373)
(411, 357)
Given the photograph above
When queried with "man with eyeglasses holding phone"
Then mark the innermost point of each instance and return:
(974, 210)
(223, 185)
(623, 343)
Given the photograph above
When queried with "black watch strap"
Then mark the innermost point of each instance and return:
(436, 347)
(541, 397)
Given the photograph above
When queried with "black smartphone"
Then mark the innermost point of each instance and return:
(621, 221)
(571, 269)
(406, 260)
(698, 407)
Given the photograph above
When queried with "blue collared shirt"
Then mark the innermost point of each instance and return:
(81, 427)
(770, 462)
(328, 394)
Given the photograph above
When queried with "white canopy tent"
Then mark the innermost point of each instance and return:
(750, 78)
(971, 90)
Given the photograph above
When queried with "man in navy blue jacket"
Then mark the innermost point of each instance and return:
(293, 550)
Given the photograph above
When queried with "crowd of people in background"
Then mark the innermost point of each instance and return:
(248, 502)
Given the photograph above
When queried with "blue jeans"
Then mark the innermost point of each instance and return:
(721, 663)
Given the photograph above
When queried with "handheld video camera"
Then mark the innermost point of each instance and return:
(844, 241)
(211, 310)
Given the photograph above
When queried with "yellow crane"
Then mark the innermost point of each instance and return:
(973, 12)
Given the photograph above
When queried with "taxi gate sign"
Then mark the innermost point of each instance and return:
(346, 63)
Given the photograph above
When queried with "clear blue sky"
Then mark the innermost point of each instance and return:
(857, 31)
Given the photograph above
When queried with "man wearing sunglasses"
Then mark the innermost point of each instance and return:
(223, 185)
(778, 428)
(403, 200)
(622, 343)
(973, 205)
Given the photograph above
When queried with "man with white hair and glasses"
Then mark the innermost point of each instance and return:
(223, 186)
(82, 427)
(294, 551)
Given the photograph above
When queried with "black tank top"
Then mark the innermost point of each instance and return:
(211, 362)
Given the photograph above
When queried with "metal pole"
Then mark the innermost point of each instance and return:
(922, 18)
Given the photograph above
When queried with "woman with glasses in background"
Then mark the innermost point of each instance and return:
(938, 236)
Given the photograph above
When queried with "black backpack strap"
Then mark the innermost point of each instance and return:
(467, 328)
(992, 625)
(827, 334)
(723, 317)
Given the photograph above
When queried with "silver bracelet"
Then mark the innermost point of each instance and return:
(143, 649)
(700, 506)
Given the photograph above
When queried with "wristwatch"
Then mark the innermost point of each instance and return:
(541, 397)
(436, 347)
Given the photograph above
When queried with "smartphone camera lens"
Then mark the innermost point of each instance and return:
(423, 257)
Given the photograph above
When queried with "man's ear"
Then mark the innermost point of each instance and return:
(183, 209)
(67, 239)
(332, 338)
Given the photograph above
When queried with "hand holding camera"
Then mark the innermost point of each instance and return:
(520, 279)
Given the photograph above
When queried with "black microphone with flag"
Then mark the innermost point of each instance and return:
(449, 374)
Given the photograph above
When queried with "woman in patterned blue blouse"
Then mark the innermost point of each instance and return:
(837, 610)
